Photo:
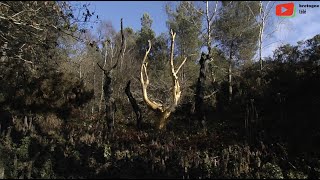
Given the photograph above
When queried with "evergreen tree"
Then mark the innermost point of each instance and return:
(237, 32)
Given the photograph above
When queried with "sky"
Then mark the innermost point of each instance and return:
(299, 27)
(131, 12)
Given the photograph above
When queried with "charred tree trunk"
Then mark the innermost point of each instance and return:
(230, 73)
(199, 96)
(134, 105)
(110, 106)
(109, 101)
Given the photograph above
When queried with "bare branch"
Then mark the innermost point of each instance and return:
(101, 67)
(250, 9)
(176, 93)
(173, 35)
(147, 52)
(210, 95)
(144, 83)
(185, 59)
(122, 48)
(215, 11)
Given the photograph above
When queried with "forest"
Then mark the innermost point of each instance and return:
(198, 101)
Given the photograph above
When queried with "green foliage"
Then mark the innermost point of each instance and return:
(186, 21)
(146, 33)
(236, 29)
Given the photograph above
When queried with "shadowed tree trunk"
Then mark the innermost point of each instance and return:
(109, 101)
(230, 72)
(134, 105)
(199, 96)
(110, 104)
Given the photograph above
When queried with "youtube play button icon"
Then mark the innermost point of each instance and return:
(285, 9)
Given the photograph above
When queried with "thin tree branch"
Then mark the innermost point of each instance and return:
(185, 59)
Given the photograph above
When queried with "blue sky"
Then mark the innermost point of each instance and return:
(131, 12)
(300, 27)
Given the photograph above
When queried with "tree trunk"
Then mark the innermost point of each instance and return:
(199, 96)
(260, 47)
(261, 30)
(230, 74)
(80, 72)
(94, 88)
(134, 105)
(109, 101)
(101, 96)
(230, 82)
(163, 119)
(102, 79)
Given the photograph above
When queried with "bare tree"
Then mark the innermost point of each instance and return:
(108, 87)
(162, 112)
(109, 100)
(107, 43)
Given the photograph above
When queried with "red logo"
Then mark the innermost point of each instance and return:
(285, 9)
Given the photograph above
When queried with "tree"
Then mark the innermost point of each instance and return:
(163, 112)
(186, 20)
(35, 35)
(237, 33)
(33, 42)
(106, 34)
(200, 86)
(109, 83)
(263, 18)
(146, 33)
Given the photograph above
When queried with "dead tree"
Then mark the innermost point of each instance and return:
(163, 113)
(134, 105)
(199, 95)
(109, 100)
(108, 88)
